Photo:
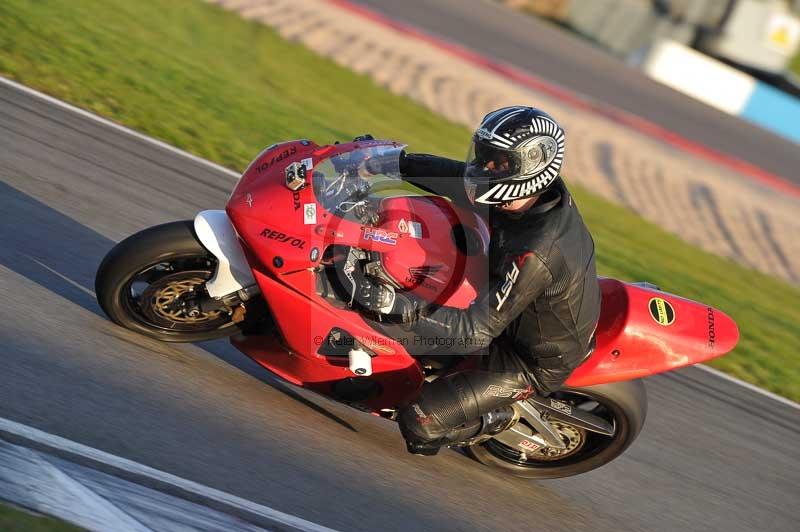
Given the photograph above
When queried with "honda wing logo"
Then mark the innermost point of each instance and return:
(420, 273)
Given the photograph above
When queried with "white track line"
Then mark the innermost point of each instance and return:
(751, 387)
(62, 277)
(29, 480)
(231, 173)
(114, 125)
(74, 449)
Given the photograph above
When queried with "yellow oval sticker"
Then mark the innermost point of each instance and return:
(661, 310)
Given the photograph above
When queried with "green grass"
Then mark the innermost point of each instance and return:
(13, 519)
(223, 88)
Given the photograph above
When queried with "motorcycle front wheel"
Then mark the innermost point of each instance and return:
(622, 404)
(145, 282)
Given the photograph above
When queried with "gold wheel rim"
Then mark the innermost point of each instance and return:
(163, 302)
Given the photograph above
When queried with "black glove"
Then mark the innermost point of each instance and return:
(384, 301)
(403, 163)
(374, 296)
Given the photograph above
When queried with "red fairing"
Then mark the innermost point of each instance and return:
(643, 332)
(269, 217)
(282, 245)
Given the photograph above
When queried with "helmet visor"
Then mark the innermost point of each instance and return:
(490, 164)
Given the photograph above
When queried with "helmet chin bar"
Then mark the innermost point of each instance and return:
(512, 190)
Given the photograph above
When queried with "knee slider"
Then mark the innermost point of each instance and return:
(418, 426)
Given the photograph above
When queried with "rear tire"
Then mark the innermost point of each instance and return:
(623, 403)
(168, 261)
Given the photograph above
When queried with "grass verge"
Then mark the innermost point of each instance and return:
(223, 88)
(13, 519)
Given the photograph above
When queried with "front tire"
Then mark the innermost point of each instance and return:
(142, 281)
(624, 404)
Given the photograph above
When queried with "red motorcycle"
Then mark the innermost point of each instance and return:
(275, 272)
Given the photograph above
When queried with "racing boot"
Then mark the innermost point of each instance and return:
(459, 434)
(422, 449)
(498, 420)
(488, 425)
(493, 423)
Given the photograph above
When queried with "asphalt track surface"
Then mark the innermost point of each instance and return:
(557, 56)
(712, 456)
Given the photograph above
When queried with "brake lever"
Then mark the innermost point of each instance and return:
(350, 265)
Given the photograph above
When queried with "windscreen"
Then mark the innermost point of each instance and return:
(360, 176)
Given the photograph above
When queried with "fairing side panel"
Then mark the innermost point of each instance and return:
(304, 323)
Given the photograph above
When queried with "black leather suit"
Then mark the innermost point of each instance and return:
(536, 317)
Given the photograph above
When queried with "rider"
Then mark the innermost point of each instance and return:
(538, 315)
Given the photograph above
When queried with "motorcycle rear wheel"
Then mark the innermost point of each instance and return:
(623, 404)
(142, 281)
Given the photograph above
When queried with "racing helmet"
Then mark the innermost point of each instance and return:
(516, 153)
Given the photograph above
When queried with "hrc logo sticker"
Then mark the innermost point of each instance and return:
(379, 235)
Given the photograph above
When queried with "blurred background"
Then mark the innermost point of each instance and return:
(730, 54)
